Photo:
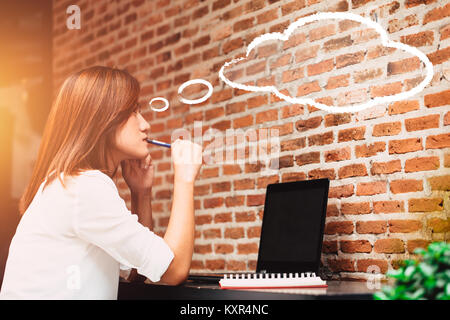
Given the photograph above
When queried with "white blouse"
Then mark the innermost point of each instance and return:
(71, 243)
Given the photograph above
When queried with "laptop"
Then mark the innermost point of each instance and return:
(291, 232)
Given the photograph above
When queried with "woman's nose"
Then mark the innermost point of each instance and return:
(144, 124)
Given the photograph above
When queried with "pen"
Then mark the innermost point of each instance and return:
(159, 143)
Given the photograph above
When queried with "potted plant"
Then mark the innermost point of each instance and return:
(427, 278)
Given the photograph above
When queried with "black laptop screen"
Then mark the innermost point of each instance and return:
(292, 230)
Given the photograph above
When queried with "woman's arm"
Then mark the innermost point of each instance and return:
(179, 236)
(141, 205)
(180, 232)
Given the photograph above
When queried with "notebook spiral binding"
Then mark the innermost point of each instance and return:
(272, 280)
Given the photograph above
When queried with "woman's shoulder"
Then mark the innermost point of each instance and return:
(95, 177)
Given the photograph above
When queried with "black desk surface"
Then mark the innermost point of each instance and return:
(202, 291)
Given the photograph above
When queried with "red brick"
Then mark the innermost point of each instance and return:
(212, 233)
(293, 176)
(266, 116)
(447, 119)
(329, 247)
(420, 39)
(262, 182)
(332, 210)
(351, 134)
(344, 191)
(441, 183)
(338, 155)
(386, 89)
(372, 265)
(438, 141)
(203, 249)
(242, 122)
(339, 227)
(212, 203)
(389, 246)
(257, 101)
(374, 227)
(348, 59)
(355, 208)
(445, 32)
(320, 174)
(412, 245)
(341, 265)
(405, 146)
(386, 167)
(311, 123)
(335, 119)
(387, 129)
(320, 67)
(292, 75)
(354, 246)
(234, 233)
(215, 264)
(369, 150)
(437, 99)
(400, 107)
(388, 206)
(308, 88)
(209, 173)
(438, 225)
(421, 164)
(413, 3)
(422, 123)
(353, 170)
(244, 184)
(223, 248)
(247, 248)
(334, 44)
(361, 76)
(322, 32)
(234, 201)
(338, 81)
(403, 66)
(371, 188)
(293, 144)
(292, 110)
(254, 232)
(255, 200)
(306, 53)
(436, 14)
(307, 158)
(425, 205)
(222, 217)
(404, 226)
(321, 139)
(406, 185)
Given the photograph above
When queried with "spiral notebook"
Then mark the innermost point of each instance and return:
(272, 280)
(291, 239)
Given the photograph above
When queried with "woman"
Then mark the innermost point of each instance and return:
(76, 232)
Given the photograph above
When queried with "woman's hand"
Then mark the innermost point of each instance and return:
(138, 174)
(187, 160)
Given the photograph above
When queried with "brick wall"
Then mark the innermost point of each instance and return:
(388, 165)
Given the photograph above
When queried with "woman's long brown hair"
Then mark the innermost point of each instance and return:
(80, 130)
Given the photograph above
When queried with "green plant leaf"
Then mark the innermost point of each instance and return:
(409, 271)
(426, 269)
(416, 295)
(428, 277)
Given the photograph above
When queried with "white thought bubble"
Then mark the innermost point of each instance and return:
(346, 108)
